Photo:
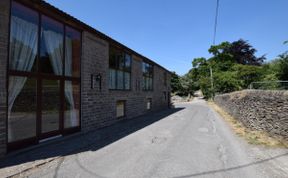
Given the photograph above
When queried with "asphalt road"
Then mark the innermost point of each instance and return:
(192, 142)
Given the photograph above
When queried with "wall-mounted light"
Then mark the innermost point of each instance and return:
(96, 81)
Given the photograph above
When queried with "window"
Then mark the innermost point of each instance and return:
(119, 70)
(22, 108)
(147, 82)
(51, 50)
(72, 52)
(149, 103)
(120, 109)
(44, 74)
(23, 38)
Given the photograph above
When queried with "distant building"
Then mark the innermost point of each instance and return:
(59, 76)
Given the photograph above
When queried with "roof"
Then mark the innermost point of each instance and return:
(93, 30)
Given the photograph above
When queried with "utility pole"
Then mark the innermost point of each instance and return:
(214, 40)
(212, 85)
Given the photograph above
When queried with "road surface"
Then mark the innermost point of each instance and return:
(192, 142)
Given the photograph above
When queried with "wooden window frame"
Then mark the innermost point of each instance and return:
(147, 75)
(117, 69)
(39, 77)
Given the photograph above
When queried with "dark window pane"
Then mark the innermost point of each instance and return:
(51, 60)
(121, 61)
(50, 105)
(72, 52)
(112, 79)
(112, 60)
(72, 104)
(127, 81)
(22, 104)
(120, 67)
(147, 70)
(23, 38)
(120, 80)
(127, 63)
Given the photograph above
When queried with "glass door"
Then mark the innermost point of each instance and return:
(50, 108)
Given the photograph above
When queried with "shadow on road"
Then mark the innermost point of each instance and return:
(90, 141)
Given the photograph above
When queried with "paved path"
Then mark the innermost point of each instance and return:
(192, 141)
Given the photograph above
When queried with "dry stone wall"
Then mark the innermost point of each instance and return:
(258, 109)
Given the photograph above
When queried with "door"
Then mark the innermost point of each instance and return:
(50, 108)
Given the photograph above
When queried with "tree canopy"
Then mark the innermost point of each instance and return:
(235, 66)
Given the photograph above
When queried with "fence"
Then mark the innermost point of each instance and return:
(269, 85)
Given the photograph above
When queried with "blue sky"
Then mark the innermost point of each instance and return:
(173, 32)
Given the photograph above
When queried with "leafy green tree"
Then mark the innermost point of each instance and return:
(175, 83)
(247, 74)
(226, 82)
(235, 66)
(187, 85)
(283, 66)
(240, 51)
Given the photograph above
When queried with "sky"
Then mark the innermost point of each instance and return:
(174, 32)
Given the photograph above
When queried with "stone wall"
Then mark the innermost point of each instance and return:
(99, 106)
(258, 110)
(4, 28)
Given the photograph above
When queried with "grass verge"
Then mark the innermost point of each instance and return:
(252, 136)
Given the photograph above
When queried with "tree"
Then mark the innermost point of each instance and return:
(247, 74)
(244, 53)
(239, 51)
(175, 83)
(283, 66)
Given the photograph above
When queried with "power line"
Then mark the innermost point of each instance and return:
(216, 22)
(214, 39)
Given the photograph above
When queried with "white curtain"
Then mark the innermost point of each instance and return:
(23, 50)
(73, 119)
(54, 46)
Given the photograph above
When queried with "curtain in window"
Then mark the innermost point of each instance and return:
(54, 45)
(23, 50)
(68, 84)
(72, 113)
(23, 44)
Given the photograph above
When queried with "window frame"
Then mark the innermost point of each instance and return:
(147, 75)
(39, 77)
(124, 108)
(124, 69)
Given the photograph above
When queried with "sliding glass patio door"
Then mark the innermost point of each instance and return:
(43, 77)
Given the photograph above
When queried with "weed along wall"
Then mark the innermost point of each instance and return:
(258, 110)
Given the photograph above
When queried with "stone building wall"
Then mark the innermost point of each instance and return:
(99, 106)
(4, 28)
(258, 109)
